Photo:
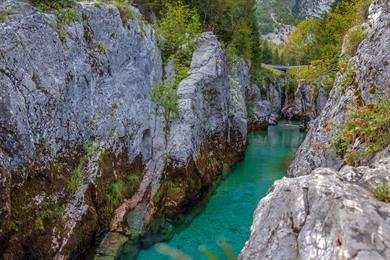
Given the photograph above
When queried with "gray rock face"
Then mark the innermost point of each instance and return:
(238, 116)
(60, 93)
(205, 99)
(209, 133)
(262, 111)
(373, 70)
(326, 215)
(308, 102)
(69, 92)
(313, 8)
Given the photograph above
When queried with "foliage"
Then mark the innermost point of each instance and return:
(316, 73)
(354, 38)
(179, 27)
(165, 98)
(49, 209)
(116, 194)
(280, 9)
(45, 5)
(382, 192)
(68, 15)
(300, 41)
(100, 48)
(369, 124)
(348, 78)
(319, 41)
(339, 143)
(5, 13)
(76, 178)
(125, 10)
(118, 190)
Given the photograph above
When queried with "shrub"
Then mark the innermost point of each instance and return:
(339, 143)
(100, 48)
(348, 78)
(382, 192)
(68, 15)
(372, 89)
(165, 98)
(4, 14)
(77, 177)
(45, 5)
(369, 123)
(355, 37)
(116, 194)
(350, 157)
(125, 10)
(179, 26)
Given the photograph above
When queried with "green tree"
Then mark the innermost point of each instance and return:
(179, 27)
(165, 98)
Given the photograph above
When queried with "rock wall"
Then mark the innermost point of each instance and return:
(312, 8)
(75, 117)
(332, 213)
(82, 151)
(307, 103)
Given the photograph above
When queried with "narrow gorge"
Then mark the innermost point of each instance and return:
(151, 129)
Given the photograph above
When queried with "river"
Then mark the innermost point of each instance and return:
(227, 215)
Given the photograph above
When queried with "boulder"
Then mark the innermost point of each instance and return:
(325, 215)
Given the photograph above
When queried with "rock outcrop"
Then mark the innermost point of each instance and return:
(325, 215)
(75, 117)
(266, 108)
(307, 104)
(312, 8)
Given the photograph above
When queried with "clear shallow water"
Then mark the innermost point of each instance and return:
(228, 213)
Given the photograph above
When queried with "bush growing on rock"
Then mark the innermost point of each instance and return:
(369, 124)
(165, 98)
(382, 192)
(45, 5)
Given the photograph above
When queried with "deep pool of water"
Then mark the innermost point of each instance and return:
(229, 211)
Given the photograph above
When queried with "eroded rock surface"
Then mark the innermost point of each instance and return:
(326, 215)
(307, 104)
(75, 115)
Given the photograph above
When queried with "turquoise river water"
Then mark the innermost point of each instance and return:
(228, 214)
